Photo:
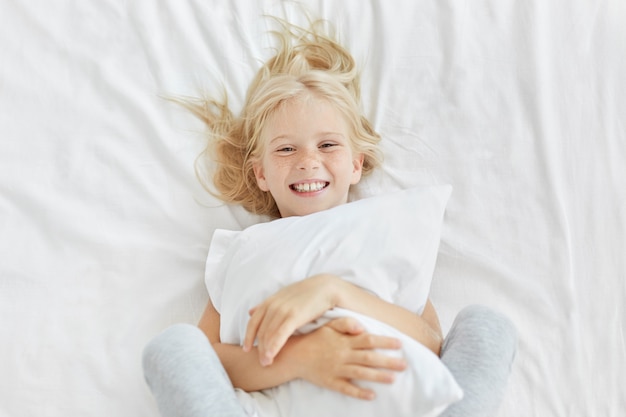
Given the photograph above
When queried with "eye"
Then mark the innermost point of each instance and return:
(327, 145)
(285, 149)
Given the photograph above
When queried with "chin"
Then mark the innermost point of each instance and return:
(302, 211)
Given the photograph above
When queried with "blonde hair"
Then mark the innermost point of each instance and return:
(307, 63)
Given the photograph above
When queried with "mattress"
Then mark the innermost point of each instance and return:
(104, 228)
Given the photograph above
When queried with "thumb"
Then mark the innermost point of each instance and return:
(347, 325)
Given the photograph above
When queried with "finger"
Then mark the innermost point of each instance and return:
(273, 334)
(372, 341)
(365, 373)
(252, 329)
(376, 360)
(346, 325)
(346, 387)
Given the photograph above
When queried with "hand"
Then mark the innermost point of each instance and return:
(340, 352)
(273, 321)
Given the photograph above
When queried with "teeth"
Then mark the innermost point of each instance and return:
(309, 187)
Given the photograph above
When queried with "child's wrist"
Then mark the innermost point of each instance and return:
(339, 292)
(293, 358)
(334, 286)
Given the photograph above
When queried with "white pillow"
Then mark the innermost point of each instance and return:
(385, 244)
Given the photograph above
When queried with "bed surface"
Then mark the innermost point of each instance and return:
(104, 230)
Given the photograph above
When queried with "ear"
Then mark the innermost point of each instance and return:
(357, 168)
(259, 174)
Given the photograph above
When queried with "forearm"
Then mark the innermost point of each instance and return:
(353, 298)
(243, 368)
(245, 371)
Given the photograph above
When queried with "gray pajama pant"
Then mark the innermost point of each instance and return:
(187, 378)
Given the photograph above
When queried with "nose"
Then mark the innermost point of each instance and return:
(309, 160)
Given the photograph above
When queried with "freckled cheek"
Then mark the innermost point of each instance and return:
(281, 164)
(340, 161)
(276, 168)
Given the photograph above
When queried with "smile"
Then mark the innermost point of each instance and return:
(309, 187)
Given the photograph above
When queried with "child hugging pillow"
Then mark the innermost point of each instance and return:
(386, 245)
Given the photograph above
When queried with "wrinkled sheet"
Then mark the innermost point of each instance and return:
(104, 230)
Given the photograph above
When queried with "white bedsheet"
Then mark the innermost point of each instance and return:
(520, 105)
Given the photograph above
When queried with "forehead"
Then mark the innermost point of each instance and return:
(308, 114)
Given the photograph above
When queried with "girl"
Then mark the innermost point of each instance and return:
(297, 148)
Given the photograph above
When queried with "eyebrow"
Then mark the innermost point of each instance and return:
(277, 138)
(321, 134)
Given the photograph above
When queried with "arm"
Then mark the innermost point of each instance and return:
(425, 328)
(331, 357)
(243, 368)
(274, 320)
(430, 316)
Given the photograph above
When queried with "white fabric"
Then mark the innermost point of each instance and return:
(387, 245)
(104, 231)
(425, 389)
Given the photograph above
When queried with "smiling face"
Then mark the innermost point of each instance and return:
(307, 164)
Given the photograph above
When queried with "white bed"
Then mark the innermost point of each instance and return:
(104, 230)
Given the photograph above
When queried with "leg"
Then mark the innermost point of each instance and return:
(479, 351)
(186, 376)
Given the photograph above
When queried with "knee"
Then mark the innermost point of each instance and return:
(171, 343)
(493, 329)
(486, 314)
(479, 350)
